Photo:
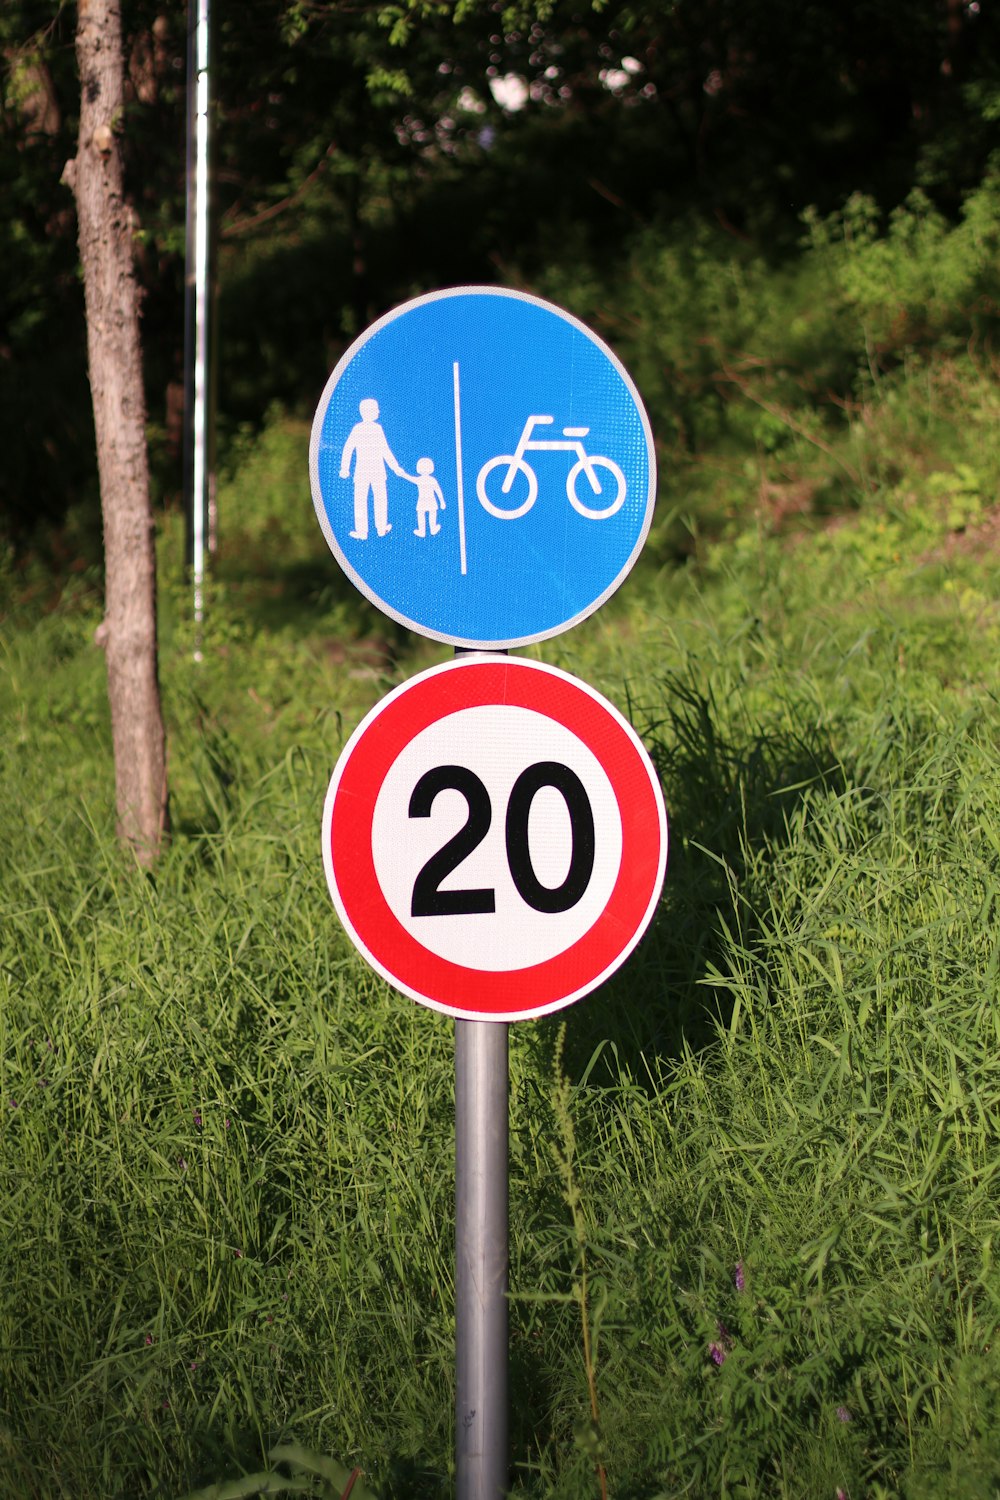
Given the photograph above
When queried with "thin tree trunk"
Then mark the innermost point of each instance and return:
(128, 632)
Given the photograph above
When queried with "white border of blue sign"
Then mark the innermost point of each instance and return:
(363, 584)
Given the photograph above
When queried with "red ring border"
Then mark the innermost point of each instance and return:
(354, 788)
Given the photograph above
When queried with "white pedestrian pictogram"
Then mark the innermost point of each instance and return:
(369, 448)
(429, 498)
(587, 463)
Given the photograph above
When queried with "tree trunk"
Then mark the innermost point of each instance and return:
(128, 632)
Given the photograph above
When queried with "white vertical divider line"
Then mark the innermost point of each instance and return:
(458, 468)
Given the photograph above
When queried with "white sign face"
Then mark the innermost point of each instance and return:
(500, 746)
(494, 838)
(482, 467)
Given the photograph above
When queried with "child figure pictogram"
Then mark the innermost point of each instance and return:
(429, 498)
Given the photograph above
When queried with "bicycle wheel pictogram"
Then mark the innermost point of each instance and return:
(588, 465)
(513, 464)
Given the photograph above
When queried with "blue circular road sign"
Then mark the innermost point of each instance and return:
(482, 467)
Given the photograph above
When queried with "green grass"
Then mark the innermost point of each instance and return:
(760, 1165)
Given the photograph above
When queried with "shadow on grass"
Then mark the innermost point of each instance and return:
(226, 1463)
(278, 595)
(728, 791)
(726, 794)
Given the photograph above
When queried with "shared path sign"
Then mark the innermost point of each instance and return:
(482, 467)
(494, 838)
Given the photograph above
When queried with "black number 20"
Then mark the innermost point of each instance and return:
(429, 900)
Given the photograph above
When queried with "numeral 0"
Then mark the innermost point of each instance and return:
(429, 900)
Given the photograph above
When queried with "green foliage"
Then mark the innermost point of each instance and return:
(43, 379)
(296, 1472)
(264, 496)
(774, 386)
(361, 157)
(921, 281)
(753, 1181)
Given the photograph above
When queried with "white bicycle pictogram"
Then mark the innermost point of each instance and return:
(587, 463)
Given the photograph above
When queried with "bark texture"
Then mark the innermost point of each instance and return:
(128, 633)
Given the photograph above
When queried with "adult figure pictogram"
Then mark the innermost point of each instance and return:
(370, 450)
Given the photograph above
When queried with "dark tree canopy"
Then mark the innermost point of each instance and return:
(364, 153)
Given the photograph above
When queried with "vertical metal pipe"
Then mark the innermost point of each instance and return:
(481, 1086)
(197, 436)
(189, 281)
(200, 480)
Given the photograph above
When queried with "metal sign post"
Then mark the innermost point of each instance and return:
(481, 1085)
(494, 840)
(494, 833)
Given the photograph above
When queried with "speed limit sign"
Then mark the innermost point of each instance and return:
(494, 838)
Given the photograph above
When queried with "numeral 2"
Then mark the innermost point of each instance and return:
(429, 900)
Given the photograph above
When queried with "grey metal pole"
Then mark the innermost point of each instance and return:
(481, 1086)
(197, 417)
